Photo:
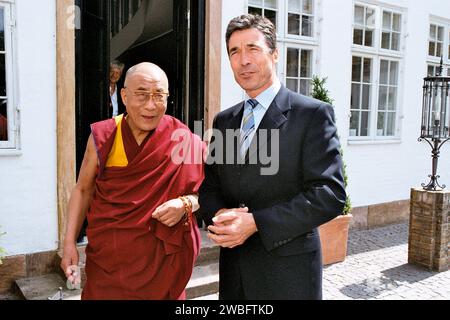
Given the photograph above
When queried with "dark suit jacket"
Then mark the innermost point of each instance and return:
(283, 259)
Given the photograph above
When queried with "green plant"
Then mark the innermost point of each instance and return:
(2, 251)
(319, 92)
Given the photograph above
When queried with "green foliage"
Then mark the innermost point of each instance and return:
(319, 92)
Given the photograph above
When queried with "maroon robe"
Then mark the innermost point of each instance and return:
(129, 254)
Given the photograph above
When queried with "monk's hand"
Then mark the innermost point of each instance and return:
(232, 228)
(170, 213)
(70, 258)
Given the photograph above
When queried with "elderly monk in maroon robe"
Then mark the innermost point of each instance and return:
(137, 187)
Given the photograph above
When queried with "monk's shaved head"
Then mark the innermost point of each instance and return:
(149, 69)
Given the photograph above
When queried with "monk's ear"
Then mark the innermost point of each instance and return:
(123, 94)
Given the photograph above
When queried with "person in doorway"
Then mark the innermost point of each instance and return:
(266, 224)
(115, 73)
(138, 196)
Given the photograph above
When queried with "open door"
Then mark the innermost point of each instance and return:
(169, 33)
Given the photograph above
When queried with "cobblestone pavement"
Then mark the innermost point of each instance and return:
(377, 267)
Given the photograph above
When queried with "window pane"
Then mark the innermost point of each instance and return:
(386, 20)
(3, 120)
(380, 124)
(358, 36)
(370, 18)
(354, 124)
(255, 2)
(305, 87)
(367, 70)
(392, 101)
(307, 26)
(294, 6)
(364, 124)
(356, 69)
(390, 124)
(431, 48)
(368, 42)
(432, 32)
(2, 30)
(308, 6)
(430, 71)
(395, 41)
(270, 4)
(292, 84)
(382, 98)
(384, 71)
(440, 34)
(365, 103)
(359, 15)
(294, 24)
(271, 15)
(305, 71)
(386, 40)
(255, 11)
(292, 62)
(356, 95)
(393, 80)
(397, 23)
(438, 49)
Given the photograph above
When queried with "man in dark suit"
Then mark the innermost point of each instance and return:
(266, 219)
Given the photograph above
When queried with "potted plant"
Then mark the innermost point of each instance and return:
(333, 234)
(2, 251)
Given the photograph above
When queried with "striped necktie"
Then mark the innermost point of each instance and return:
(248, 126)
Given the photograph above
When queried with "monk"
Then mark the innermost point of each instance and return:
(138, 199)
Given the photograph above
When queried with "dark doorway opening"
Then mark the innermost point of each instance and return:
(169, 33)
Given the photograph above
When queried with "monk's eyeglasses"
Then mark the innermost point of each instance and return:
(143, 97)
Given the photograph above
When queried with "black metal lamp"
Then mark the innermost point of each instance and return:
(435, 120)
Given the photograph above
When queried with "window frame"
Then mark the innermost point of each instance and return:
(434, 60)
(12, 109)
(377, 53)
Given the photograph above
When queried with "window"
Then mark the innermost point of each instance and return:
(438, 47)
(387, 98)
(391, 32)
(8, 127)
(265, 8)
(299, 70)
(364, 26)
(300, 17)
(360, 98)
(295, 22)
(376, 69)
(436, 40)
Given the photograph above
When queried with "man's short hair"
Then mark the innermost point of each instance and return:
(117, 64)
(249, 21)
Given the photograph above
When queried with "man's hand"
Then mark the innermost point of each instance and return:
(170, 213)
(232, 227)
(70, 258)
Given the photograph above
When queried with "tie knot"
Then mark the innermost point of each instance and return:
(253, 103)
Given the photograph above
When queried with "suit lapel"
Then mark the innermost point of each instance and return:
(273, 119)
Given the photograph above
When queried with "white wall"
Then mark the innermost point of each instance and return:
(378, 172)
(28, 197)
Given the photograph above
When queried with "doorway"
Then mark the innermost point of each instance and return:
(169, 33)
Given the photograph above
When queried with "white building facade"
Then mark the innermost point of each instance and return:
(375, 55)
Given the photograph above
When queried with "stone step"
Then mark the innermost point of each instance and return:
(45, 287)
(204, 281)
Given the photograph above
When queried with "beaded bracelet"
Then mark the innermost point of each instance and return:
(187, 209)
